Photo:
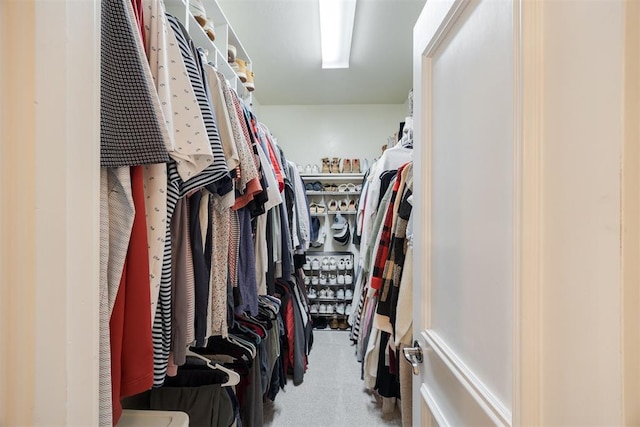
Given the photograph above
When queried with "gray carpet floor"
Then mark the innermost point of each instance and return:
(332, 393)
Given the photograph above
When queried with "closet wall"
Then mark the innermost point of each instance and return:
(310, 132)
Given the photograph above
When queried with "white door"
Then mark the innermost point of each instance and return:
(467, 218)
(526, 221)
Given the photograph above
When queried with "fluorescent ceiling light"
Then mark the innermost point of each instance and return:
(336, 29)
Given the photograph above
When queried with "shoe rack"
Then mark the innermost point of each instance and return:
(329, 279)
(325, 189)
(217, 50)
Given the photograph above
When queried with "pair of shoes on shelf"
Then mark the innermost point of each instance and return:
(351, 166)
(330, 165)
(330, 187)
(200, 14)
(343, 325)
(317, 208)
(347, 188)
(313, 186)
(315, 264)
(345, 263)
(241, 68)
(311, 169)
(345, 205)
(334, 323)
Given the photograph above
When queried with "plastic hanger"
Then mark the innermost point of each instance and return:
(234, 377)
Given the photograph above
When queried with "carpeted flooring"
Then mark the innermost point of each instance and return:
(332, 393)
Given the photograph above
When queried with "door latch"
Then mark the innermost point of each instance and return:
(413, 355)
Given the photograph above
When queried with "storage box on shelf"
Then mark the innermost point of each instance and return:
(329, 279)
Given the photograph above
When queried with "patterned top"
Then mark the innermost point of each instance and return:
(130, 130)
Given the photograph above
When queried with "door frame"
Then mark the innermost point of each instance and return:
(49, 218)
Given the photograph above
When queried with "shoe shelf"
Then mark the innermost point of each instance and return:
(333, 193)
(331, 285)
(330, 299)
(334, 213)
(216, 50)
(336, 315)
(342, 212)
(332, 176)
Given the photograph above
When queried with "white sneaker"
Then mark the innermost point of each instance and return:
(348, 294)
(341, 264)
(332, 279)
(307, 264)
(323, 308)
(312, 294)
(315, 264)
(315, 169)
(348, 279)
(325, 264)
(347, 309)
(330, 309)
(307, 280)
(332, 263)
(348, 263)
(340, 294)
(340, 308)
(323, 279)
(322, 293)
(330, 293)
(314, 308)
(340, 279)
(314, 280)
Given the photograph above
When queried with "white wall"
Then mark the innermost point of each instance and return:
(307, 133)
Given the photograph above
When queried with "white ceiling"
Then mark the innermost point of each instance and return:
(282, 37)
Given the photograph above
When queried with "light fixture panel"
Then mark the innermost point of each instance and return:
(336, 30)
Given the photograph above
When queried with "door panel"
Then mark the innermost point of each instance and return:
(468, 175)
(472, 192)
